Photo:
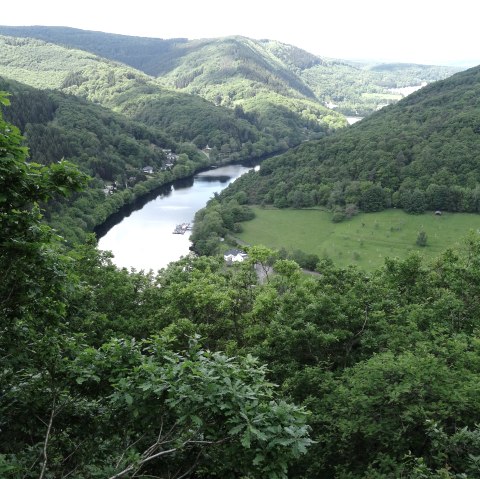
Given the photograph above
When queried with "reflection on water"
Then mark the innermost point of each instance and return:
(183, 183)
(213, 179)
(142, 236)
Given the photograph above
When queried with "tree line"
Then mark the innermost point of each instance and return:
(418, 155)
(386, 364)
(73, 370)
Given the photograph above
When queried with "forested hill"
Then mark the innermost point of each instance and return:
(231, 70)
(142, 53)
(283, 122)
(156, 56)
(240, 73)
(422, 153)
(107, 146)
(186, 118)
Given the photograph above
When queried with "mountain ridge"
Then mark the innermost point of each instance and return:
(331, 81)
(122, 89)
(125, 89)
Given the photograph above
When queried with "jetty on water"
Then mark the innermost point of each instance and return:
(182, 228)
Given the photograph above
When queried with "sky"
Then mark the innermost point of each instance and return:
(419, 31)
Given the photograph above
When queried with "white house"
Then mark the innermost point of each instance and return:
(234, 256)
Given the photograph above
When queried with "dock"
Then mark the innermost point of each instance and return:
(182, 229)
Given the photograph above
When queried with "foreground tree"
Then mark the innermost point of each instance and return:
(79, 404)
(195, 410)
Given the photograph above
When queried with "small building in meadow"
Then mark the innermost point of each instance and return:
(235, 256)
(148, 170)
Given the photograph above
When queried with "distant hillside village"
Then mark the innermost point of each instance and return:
(169, 162)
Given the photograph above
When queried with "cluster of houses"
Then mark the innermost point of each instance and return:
(109, 189)
(207, 150)
(171, 159)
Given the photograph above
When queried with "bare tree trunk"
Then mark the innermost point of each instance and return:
(47, 437)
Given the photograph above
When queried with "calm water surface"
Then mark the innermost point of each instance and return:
(145, 239)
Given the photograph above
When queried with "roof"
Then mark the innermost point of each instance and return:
(234, 252)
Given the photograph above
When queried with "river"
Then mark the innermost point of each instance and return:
(353, 119)
(144, 239)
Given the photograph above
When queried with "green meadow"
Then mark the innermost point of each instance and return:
(364, 240)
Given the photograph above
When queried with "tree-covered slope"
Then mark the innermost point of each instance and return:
(129, 91)
(205, 65)
(110, 148)
(226, 70)
(421, 153)
(145, 54)
(360, 89)
(354, 88)
(241, 73)
(103, 143)
(254, 61)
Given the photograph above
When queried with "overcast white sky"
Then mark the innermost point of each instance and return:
(421, 31)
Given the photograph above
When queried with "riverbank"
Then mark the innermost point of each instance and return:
(123, 203)
(145, 239)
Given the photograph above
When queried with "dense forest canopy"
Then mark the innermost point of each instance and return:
(185, 117)
(222, 69)
(420, 154)
(144, 54)
(386, 363)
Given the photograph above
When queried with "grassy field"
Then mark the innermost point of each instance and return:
(364, 240)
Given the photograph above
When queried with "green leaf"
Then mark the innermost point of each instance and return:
(246, 440)
(236, 429)
(196, 420)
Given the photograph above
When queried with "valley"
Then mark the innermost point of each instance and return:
(245, 99)
(128, 351)
(417, 154)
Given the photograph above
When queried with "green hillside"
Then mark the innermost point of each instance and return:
(208, 64)
(145, 54)
(354, 88)
(361, 89)
(126, 90)
(241, 73)
(112, 149)
(187, 117)
(419, 154)
(229, 70)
